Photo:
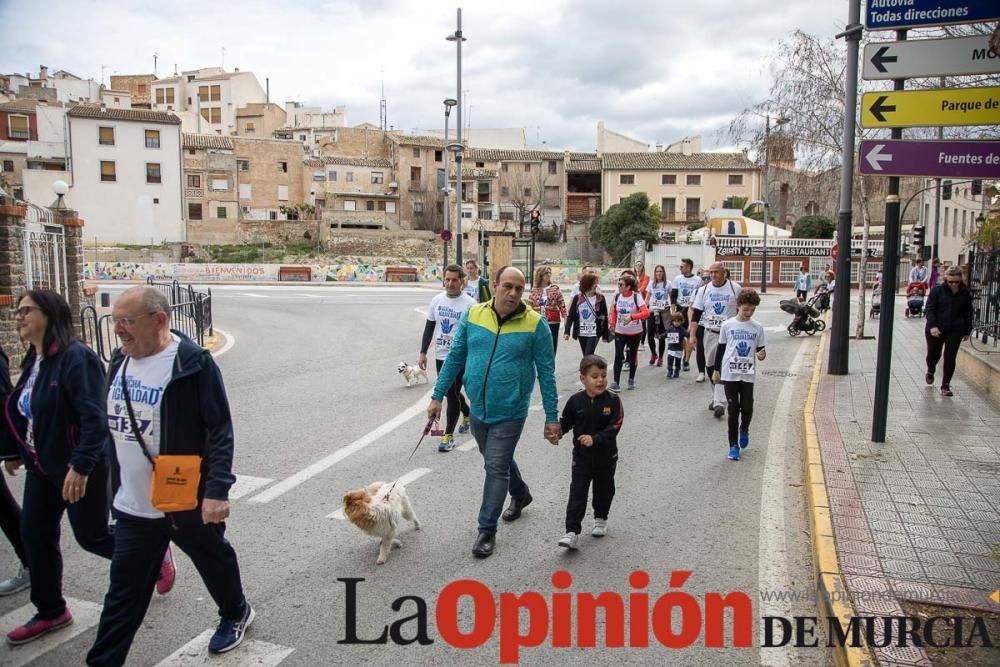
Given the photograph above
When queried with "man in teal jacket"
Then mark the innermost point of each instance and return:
(502, 345)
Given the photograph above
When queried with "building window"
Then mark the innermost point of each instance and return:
(390, 207)
(504, 191)
(527, 192)
(693, 179)
(283, 167)
(143, 90)
(788, 272)
(418, 208)
(194, 211)
(212, 115)
(218, 184)
(350, 205)
(668, 207)
(245, 190)
(282, 193)
(626, 179)
(503, 167)
(349, 176)
(106, 136)
(552, 166)
(209, 93)
(164, 95)
(377, 177)
(331, 175)
(220, 212)
(416, 152)
(153, 172)
(485, 214)
(108, 174)
(506, 215)
(415, 174)
(369, 205)
(692, 208)
(152, 138)
(243, 165)
(302, 137)
(437, 156)
(668, 179)
(194, 180)
(319, 175)
(735, 179)
(735, 270)
(467, 215)
(527, 167)
(249, 128)
(483, 191)
(8, 165)
(756, 270)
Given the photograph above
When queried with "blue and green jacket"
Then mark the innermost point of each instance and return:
(501, 359)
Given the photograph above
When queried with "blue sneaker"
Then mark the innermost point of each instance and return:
(463, 426)
(230, 634)
(734, 453)
(744, 439)
(447, 443)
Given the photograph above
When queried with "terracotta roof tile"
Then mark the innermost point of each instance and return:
(502, 155)
(203, 141)
(138, 115)
(676, 161)
(19, 105)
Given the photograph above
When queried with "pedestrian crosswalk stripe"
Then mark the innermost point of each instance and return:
(245, 484)
(250, 652)
(408, 478)
(85, 616)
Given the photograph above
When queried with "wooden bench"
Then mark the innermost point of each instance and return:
(401, 274)
(295, 273)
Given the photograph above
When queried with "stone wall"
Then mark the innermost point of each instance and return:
(12, 279)
(278, 232)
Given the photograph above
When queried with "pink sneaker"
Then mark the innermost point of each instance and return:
(38, 627)
(168, 573)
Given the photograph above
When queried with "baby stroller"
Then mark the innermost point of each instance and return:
(876, 308)
(915, 299)
(806, 318)
(821, 299)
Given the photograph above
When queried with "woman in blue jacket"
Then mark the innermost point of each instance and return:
(58, 420)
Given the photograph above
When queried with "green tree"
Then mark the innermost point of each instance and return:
(813, 227)
(624, 224)
(755, 211)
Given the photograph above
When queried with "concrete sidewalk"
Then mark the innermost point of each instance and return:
(914, 519)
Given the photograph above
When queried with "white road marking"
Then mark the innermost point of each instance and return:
(230, 341)
(406, 479)
(772, 555)
(250, 652)
(253, 294)
(86, 615)
(305, 295)
(422, 311)
(245, 485)
(289, 483)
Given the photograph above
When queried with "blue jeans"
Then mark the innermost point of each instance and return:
(496, 444)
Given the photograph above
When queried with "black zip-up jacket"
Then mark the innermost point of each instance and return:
(573, 317)
(600, 417)
(70, 424)
(951, 313)
(194, 418)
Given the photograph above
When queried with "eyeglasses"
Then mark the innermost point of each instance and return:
(23, 311)
(127, 322)
(954, 282)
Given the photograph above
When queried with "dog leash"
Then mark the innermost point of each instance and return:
(427, 430)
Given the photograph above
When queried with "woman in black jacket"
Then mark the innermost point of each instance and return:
(58, 419)
(949, 322)
(10, 512)
(587, 320)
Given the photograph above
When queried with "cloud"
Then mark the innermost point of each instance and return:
(655, 70)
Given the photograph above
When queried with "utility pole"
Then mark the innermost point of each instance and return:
(840, 334)
(767, 204)
(458, 39)
(937, 197)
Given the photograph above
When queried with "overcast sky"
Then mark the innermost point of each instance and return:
(657, 70)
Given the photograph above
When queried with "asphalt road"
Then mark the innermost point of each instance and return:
(312, 372)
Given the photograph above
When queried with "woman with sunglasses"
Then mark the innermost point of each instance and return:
(949, 322)
(627, 315)
(59, 427)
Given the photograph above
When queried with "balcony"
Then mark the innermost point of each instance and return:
(416, 186)
(20, 134)
(682, 216)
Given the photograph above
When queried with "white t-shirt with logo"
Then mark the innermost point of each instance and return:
(739, 363)
(472, 289)
(717, 304)
(24, 403)
(147, 378)
(659, 296)
(586, 316)
(628, 305)
(686, 287)
(445, 312)
(802, 284)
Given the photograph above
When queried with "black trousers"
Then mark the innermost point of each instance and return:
(588, 344)
(655, 327)
(948, 343)
(554, 328)
(700, 349)
(456, 401)
(674, 364)
(40, 519)
(739, 395)
(626, 344)
(802, 295)
(139, 548)
(10, 520)
(589, 471)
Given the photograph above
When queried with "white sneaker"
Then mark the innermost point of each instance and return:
(17, 583)
(700, 378)
(600, 528)
(570, 541)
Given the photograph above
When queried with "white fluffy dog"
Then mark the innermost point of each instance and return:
(412, 374)
(379, 510)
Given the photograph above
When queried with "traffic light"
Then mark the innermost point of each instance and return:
(945, 190)
(977, 187)
(536, 217)
(918, 236)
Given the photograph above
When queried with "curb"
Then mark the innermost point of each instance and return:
(833, 598)
(212, 342)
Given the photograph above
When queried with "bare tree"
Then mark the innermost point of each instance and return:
(523, 188)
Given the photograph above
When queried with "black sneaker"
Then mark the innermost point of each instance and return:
(230, 634)
(687, 366)
(513, 511)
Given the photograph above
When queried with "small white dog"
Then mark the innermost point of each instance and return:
(412, 374)
(379, 510)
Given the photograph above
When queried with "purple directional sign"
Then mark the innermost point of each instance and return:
(956, 159)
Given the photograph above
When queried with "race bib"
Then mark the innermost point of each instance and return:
(742, 362)
(447, 327)
(588, 323)
(658, 300)
(673, 338)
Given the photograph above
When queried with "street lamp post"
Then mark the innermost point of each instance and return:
(458, 39)
(448, 104)
(767, 195)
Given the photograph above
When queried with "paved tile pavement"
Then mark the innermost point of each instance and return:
(918, 517)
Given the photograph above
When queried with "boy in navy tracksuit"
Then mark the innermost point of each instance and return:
(595, 417)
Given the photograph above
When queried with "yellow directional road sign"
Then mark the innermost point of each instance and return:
(936, 107)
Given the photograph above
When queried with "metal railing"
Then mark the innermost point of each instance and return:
(984, 281)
